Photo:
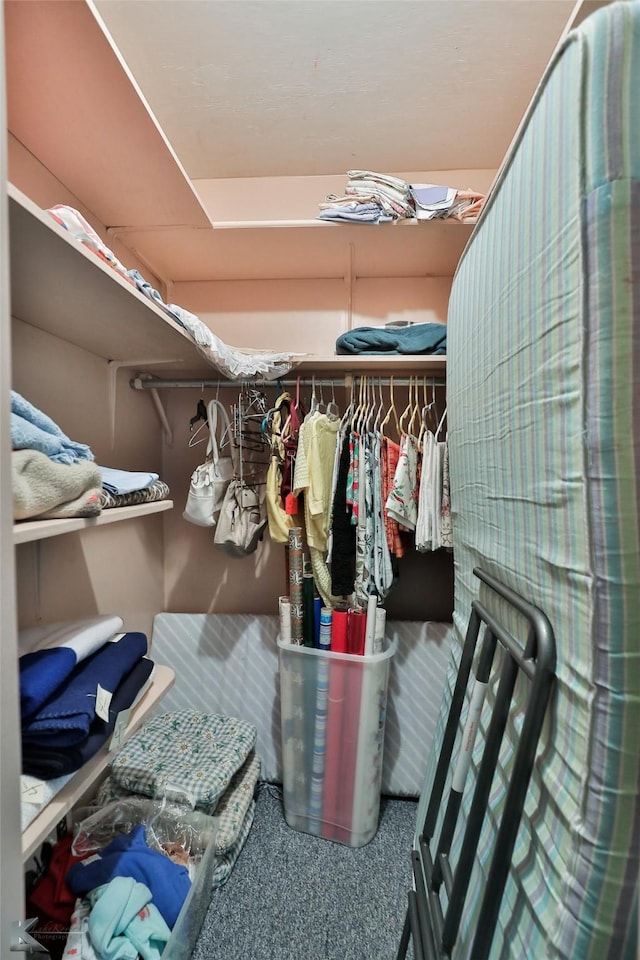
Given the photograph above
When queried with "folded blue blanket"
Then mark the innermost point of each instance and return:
(66, 717)
(31, 429)
(48, 762)
(416, 338)
(60, 647)
(130, 856)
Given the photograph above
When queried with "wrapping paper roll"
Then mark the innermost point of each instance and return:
(356, 627)
(317, 609)
(339, 631)
(381, 622)
(308, 624)
(370, 631)
(295, 584)
(326, 617)
(284, 609)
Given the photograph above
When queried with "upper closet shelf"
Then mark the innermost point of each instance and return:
(63, 288)
(29, 530)
(300, 249)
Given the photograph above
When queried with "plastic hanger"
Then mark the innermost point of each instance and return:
(333, 411)
(407, 409)
(391, 411)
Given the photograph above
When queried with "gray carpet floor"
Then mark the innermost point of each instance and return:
(292, 896)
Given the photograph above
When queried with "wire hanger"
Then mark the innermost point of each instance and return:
(200, 414)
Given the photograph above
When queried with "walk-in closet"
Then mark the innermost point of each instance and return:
(238, 541)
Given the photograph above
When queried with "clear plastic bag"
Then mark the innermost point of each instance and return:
(179, 832)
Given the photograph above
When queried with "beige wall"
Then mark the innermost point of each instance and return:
(111, 569)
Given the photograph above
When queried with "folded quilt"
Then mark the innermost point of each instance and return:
(428, 338)
(158, 490)
(55, 649)
(226, 824)
(125, 481)
(130, 856)
(48, 762)
(187, 757)
(226, 861)
(124, 923)
(66, 717)
(34, 430)
(232, 809)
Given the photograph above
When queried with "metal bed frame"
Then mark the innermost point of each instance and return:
(434, 931)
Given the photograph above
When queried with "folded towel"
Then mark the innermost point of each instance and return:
(34, 430)
(55, 649)
(48, 490)
(130, 856)
(66, 717)
(428, 338)
(125, 481)
(124, 923)
(50, 763)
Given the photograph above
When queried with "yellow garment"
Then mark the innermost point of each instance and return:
(313, 477)
(280, 522)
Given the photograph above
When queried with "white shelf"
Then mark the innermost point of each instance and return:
(300, 249)
(49, 816)
(401, 365)
(110, 318)
(29, 530)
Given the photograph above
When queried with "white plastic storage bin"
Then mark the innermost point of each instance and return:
(333, 711)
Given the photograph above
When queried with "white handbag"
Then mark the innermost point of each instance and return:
(209, 481)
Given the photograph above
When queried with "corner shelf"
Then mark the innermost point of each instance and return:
(45, 821)
(28, 530)
(110, 318)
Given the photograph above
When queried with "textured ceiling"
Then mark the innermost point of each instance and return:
(249, 88)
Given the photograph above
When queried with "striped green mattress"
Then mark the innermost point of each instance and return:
(544, 440)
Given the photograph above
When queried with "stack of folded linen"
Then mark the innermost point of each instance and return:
(52, 476)
(201, 762)
(369, 198)
(76, 679)
(126, 488)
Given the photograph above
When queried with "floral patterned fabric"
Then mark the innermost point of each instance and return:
(187, 757)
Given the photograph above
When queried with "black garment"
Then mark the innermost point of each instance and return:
(343, 551)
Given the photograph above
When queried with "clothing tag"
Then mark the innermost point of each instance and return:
(103, 702)
(32, 791)
(85, 863)
(119, 730)
(291, 504)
